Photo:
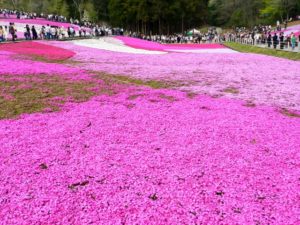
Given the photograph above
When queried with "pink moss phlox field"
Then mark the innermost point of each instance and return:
(262, 79)
(38, 49)
(148, 45)
(145, 156)
(11, 65)
(292, 29)
(190, 161)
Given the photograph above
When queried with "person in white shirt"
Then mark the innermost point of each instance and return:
(48, 32)
(62, 33)
(53, 33)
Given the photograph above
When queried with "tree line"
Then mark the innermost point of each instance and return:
(165, 16)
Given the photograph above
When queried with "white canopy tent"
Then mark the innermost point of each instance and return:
(193, 32)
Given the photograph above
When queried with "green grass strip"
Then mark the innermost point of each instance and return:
(265, 51)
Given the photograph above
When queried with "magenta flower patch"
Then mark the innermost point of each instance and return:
(148, 45)
(260, 79)
(38, 50)
(138, 155)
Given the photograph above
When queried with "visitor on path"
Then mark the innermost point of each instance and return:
(5, 32)
(61, 33)
(69, 32)
(27, 33)
(43, 33)
(269, 40)
(278, 27)
(34, 33)
(275, 40)
(281, 40)
(293, 41)
(48, 32)
(1, 34)
(288, 41)
(12, 31)
(72, 32)
(53, 33)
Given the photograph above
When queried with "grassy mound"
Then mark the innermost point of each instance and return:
(265, 51)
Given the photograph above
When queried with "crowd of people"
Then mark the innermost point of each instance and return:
(28, 15)
(55, 33)
(267, 35)
(197, 37)
(73, 28)
(264, 35)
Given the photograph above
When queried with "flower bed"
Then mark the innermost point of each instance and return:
(111, 44)
(38, 50)
(140, 157)
(262, 79)
(293, 29)
(153, 46)
(133, 154)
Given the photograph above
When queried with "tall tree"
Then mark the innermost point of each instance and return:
(165, 16)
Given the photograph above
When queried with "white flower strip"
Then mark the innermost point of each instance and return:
(115, 45)
(112, 44)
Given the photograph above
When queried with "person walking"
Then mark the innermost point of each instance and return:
(281, 40)
(269, 40)
(69, 32)
(48, 32)
(43, 32)
(5, 30)
(34, 33)
(1, 34)
(278, 25)
(52, 33)
(62, 33)
(293, 41)
(12, 31)
(27, 33)
(275, 40)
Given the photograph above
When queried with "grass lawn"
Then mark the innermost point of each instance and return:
(37, 93)
(265, 51)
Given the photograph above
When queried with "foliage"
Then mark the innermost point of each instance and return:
(251, 12)
(166, 16)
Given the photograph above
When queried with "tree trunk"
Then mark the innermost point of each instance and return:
(182, 24)
(14, 4)
(159, 26)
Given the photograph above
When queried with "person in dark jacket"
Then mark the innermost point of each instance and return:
(275, 40)
(12, 31)
(269, 40)
(281, 39)
(27, 32)
(69, 32)
(1, 34)
(34, 33)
